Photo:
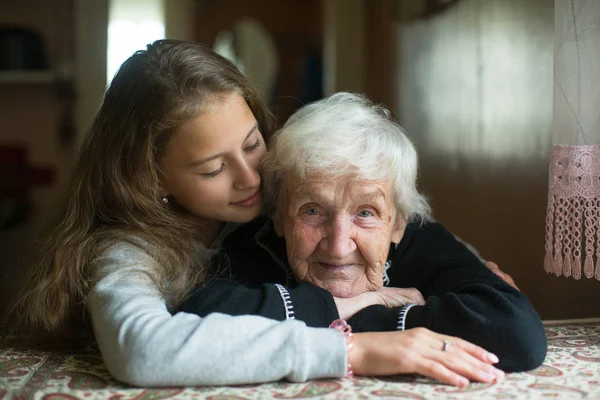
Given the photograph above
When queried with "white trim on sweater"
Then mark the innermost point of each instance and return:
(287, 301)
(402, 316)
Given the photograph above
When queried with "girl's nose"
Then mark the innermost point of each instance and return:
(247, 176)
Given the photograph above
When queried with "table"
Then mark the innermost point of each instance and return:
(571, 371)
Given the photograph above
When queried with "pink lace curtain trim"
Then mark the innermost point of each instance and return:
(573, 215)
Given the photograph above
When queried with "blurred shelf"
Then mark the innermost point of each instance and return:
(28, 77)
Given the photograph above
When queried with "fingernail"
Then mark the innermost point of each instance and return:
(498, 372)
(492, 358)
(463, 382)
(487, 377)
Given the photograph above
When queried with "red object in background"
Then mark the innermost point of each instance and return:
(17, 176)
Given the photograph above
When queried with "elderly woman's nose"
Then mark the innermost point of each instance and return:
(246, 176)
(339, 240)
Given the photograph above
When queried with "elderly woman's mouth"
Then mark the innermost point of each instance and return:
(335, 267)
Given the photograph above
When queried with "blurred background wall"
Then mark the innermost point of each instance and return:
(475, 90)
(37, 123)
(471, 81)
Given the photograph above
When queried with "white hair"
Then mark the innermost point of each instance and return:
(345, 134)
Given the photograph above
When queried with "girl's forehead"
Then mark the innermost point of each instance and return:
(216, 129)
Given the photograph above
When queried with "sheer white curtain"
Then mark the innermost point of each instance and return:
(573, 214)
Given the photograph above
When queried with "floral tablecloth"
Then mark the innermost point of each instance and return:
(571, 371)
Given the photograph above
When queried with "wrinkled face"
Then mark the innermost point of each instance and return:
(210, 163)
(338, 233)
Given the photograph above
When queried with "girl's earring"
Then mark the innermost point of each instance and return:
(165, 200)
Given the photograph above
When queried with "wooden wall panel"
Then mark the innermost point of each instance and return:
(380, 60)
(295, 25)
(475, 87)
(31, 115)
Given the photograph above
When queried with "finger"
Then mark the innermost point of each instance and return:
(470, 348)
(415, 296)
(501, 275)
(394, 297)
(504, 276)
(448, 366)
(492, 266)
(439, 371)
(463, 363)
(418, 299)
(508, 279)
(436, 342)
(460, 361)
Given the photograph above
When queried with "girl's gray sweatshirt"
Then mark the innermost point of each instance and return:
(144, 344)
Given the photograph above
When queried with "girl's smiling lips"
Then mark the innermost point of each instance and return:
(250, 201)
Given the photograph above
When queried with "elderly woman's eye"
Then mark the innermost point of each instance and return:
(365, 213)
(311, 211)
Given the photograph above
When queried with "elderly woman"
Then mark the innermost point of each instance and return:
(347, 220)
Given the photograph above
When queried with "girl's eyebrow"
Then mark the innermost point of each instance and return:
(210, 158)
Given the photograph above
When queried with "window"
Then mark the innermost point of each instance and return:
(132, 24)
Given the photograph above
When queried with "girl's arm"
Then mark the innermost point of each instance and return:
(143, 344)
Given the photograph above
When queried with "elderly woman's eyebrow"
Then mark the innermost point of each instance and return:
(372, 196)
(303, 194)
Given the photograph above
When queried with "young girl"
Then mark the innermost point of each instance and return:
(167, 170)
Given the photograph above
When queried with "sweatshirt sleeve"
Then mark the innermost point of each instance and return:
(306, 302)
(143, 344)
(465, 299)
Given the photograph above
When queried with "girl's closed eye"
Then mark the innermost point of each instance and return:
(214, 173)
(254, 146)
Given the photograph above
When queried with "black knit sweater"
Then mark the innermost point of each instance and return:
(463, 298)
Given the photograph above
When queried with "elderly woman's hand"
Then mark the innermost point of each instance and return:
(448, 359)
(492, 266)
(396, 297)
(386, 296)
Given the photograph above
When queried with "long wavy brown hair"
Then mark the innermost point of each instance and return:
(114, 189)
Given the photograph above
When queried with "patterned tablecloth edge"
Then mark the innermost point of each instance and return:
(570, 371)
(571, 321)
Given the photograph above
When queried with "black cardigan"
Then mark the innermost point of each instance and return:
(463, 298)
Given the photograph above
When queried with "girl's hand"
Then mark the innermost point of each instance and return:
(420, 350)
(492, 266)
(386, 296)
